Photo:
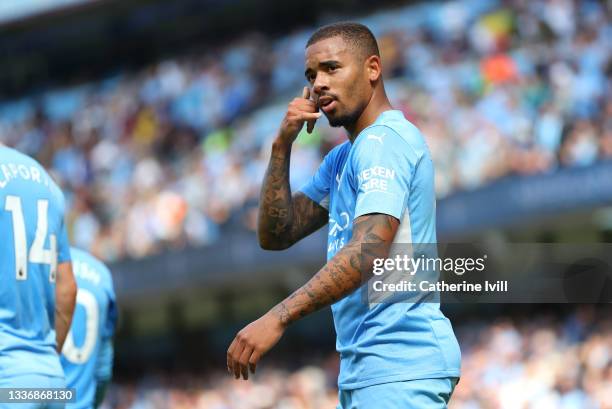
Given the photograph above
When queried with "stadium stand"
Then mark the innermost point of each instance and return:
(542, 362)
(172, 155)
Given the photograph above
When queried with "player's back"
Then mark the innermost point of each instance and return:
(32, 225)
(84, 356)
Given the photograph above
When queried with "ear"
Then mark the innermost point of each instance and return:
(373, 67)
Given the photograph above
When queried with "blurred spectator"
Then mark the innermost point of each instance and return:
(167, 157)
(538, 362)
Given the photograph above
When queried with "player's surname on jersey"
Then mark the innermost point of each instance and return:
(10, 171)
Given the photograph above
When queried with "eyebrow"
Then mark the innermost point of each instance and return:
(322, 64)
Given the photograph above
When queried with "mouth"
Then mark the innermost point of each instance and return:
(327, 104)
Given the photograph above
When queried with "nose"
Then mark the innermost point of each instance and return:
(320, 84)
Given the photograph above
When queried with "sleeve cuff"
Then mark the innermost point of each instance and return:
(321, 198)
(384, 203)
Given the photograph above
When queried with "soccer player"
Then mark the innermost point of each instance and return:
(87, 356)
(37, 288)
(374, 189)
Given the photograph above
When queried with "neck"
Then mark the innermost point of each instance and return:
(378, 104)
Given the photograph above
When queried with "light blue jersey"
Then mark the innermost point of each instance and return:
(87, 356)
(33, 242)
(388, 169)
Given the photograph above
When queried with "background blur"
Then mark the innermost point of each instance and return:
(156, 118)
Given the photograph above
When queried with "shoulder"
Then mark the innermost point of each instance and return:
(32, 170)
(7, 153)
(59, 195)
(338, 151)
(18, 158)
(396, 134)
(101, 270)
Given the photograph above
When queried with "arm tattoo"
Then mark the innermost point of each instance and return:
(343, 273)
(283, 219)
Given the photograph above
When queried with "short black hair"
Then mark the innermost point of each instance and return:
(357, 35)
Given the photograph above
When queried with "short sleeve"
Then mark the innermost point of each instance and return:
(317, 188)
(63, 245)
(112, 312)
(104, 367)
(382, 170)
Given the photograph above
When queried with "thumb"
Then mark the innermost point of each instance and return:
(306, 93)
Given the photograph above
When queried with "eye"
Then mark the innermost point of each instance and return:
(332, 68)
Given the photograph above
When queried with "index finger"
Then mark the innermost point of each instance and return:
(306, 93)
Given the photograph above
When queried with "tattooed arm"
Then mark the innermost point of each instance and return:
(285, 219)
(338, 278)
(344, 272)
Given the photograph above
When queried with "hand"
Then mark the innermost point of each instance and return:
(299, 110)
(251, 343)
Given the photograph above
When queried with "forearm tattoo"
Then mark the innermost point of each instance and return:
(343, 273)
(283, 219)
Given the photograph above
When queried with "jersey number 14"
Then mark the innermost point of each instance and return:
(38, 253)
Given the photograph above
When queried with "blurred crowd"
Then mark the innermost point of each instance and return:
(174, 154)
(540, 363)
(536, 363)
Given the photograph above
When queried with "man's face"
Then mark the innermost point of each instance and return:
(340, 85)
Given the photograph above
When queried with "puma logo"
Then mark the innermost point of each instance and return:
(376, 138)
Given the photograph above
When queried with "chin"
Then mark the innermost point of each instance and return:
(342, 120)
(335, 122)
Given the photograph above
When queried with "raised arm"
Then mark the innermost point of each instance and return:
(284, 218)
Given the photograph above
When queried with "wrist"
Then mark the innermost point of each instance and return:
(280, 315)
(280, 144)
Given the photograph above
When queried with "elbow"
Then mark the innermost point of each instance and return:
(267, 244)
(274, 247)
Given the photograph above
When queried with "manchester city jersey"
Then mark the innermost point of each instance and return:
(87, 354)
(33, 243)
(388, 169)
